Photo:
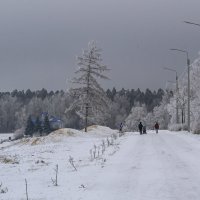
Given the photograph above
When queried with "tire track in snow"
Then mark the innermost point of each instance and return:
(129, 179)
(117, 179)
(181, 182)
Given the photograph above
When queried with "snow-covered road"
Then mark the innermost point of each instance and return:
(162, 166)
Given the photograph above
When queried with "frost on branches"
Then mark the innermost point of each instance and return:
(183, 99)
(137, 114)
(90, 100)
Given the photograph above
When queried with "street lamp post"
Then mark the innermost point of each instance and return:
(173, 70)
(188, 66)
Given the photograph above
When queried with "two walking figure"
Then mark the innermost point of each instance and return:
(142, 128)
(121, 126)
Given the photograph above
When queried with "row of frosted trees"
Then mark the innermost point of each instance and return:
(175, 102)
(181, 97)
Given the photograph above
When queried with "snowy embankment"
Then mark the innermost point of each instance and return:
(36, 158)
(160, 166)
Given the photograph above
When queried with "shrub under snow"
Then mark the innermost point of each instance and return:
(196, 129)
(177, 127)
(18, 134)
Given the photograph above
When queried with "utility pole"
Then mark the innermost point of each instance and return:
(173, 70)
(188, 66)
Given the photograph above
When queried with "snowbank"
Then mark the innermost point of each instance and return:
(100, 130)
(63, 134)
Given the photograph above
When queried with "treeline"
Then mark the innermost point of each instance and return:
(148, 98)
(17, 106)
(28, 94)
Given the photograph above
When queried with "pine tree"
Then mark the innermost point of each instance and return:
(29, 127)
(91, 101)
(46, 127)
(38, 126)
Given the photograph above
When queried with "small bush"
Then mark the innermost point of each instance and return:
(196, 129)
(177, 127)
(3, 189)
(18, 134)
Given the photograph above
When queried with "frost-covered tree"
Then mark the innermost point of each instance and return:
(161, 113)
(197, 125)
(183, 98)
(8, 107)
(138, 113)
(46, 125)
(195, 95)
(182, 104)
(29, 130)
(36, 106)
(38, 126)
(91, 102)
(149, 120)
(119, 110)
(21, 116)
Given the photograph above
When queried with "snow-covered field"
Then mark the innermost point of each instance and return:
(5, 136)
(162, 166)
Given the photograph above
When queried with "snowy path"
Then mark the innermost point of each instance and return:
(150, 167)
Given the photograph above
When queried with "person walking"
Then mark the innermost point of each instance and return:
(156, 126)
(120, 127)
(140, 126)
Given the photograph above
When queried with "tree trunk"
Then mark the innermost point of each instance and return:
(86, 117)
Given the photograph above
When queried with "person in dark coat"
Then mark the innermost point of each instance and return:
(156, 126)
(140, 126)
(121, 126)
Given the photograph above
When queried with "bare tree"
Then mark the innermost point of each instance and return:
(71, 161)
(91, 99)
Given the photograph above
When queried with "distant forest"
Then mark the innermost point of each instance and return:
(17, 106)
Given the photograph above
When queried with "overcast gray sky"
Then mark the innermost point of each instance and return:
(39, 40)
